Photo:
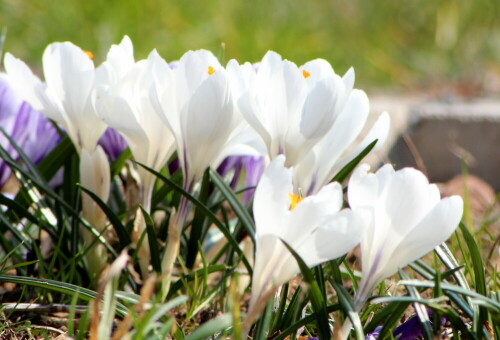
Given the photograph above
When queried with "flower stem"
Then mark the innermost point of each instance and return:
(144, 252)
(175, 226)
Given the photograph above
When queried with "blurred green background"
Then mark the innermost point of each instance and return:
(396, 43)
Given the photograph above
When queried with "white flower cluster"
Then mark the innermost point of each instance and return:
(306, 120)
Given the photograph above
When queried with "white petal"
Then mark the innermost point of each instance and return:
(433, 230)
(363, 190)
(274, 265)
(311, 213)
(70, 73)
(23, 80)
(341, 234)
(319, 111)
(207, 122)
(348, 79)
(252, 115)
(407, 199)
(317, 69)
(344, 131)
(271, 200)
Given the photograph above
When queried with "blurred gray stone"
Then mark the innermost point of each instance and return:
(447, 135)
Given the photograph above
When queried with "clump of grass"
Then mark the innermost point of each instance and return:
(43, 258)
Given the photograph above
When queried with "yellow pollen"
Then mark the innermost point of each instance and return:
(294, 200)
(89, 54)
(211, 70)
(306, 74)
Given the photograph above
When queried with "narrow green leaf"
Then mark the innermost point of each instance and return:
(390, 323)
(17, 208)
(189, 277)
(240, 211)
(492, 304)
(479, 280)
(211, 328)
(278, 316)
(22, 155)
(197, 223)
(318, 302)
(346, 170)
(61, 287)
(210, 215)
(119, 162)
(304, 321)
(261, 331)
(347, 304)
(423, 316)
(3, 35)
(293, 311)
(56, 158)
(382, 316)
(153, 242)
(123, 235)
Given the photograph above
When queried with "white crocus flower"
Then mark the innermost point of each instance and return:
(316, 227)
(407, 219)
(119, 61)
(199, 109)
(291, 108)
(65, 96)
(330, 154)
(125, 106)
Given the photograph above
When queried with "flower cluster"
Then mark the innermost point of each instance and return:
(304, 122)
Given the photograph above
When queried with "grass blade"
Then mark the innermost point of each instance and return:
(210, 215)
(122, 233)
(240, 211)
(346, 170)
(315, 294)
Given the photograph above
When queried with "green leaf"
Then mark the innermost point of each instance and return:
(479, 280)
(390, 323)
(423, 316)
(211, 328)
(318, 302)
(390, 312)
(240, 211)
(61, 287)
(262, 325)
(123, 235)
(191, 276)
(153, 242)
(210, 215)
(52, 162)
(119, 162)
(349, 308)
(302, 322)
(490, 303)
(346, 170)
(197, 224)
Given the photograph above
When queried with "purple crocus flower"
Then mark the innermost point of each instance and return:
(112, 143)
(231, 163)
(253, 166)
(411, 329)
(34, 133)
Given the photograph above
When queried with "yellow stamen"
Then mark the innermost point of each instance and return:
(89, 54)
(294, 200)
(306, 74)
(211, 70)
